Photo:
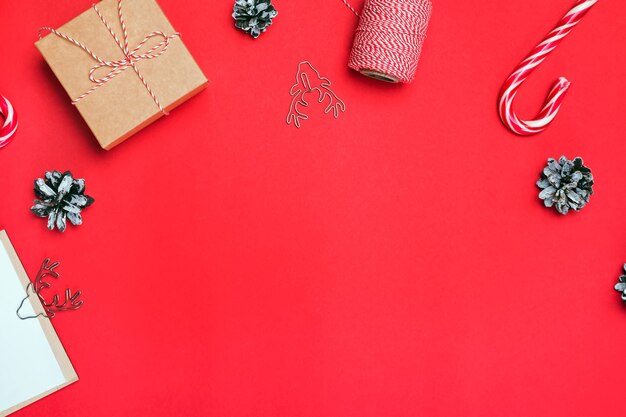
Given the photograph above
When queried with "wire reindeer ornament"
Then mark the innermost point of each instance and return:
(308, 80)
(71, 302)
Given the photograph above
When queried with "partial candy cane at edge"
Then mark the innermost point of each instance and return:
(537, 56)
(9, 127)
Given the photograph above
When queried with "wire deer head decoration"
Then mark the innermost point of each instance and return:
(47, 270)
(309, 80)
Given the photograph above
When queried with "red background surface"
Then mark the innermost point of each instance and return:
(393, 262)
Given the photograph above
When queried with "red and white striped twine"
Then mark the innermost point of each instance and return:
(131, 56)
(349, 6)
(537, 56)
(9, 127)
(390, 36)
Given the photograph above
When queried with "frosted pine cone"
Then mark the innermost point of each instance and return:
(621, 285)
(565, 184)
(60, 198)
(254, 16)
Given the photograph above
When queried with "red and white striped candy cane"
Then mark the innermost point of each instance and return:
(9, 127)
(537, 56)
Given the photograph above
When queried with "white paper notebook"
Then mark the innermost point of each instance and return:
(33, 362)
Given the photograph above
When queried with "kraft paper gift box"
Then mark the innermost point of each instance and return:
(108, 87)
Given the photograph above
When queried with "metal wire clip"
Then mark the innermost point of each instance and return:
(308, 79)
(71, 302)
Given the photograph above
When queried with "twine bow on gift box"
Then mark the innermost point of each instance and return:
(131, 56)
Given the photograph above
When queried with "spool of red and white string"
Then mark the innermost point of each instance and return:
(9, 127)
(389, 38)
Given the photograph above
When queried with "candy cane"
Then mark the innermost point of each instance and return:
(537, 56)
(10, 123)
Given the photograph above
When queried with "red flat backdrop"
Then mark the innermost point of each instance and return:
(393, 262)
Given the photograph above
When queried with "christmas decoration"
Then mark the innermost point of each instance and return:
(621, 285)
(60, 198)
(537, 56)
(254, 16)
(565, 184)
(9, 127)
(72, 301)
(309, 80)
(123, 65)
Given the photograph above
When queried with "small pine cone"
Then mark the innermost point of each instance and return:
(621, 285)
(565, 184)
(254, 16)
(60, 197)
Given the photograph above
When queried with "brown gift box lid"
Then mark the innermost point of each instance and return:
(123, 105)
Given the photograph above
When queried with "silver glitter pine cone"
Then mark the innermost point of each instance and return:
(621, 285)
(60, 197)
(254, 16)
(565, 185)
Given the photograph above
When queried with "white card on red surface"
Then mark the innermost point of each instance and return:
(33, 363)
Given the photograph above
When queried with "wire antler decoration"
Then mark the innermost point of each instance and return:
(71, 302)
(308, 79)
